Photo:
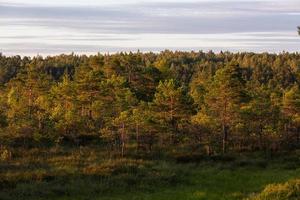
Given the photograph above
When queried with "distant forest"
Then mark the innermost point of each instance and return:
(208, 103)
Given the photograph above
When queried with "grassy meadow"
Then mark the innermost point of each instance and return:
(67, 173)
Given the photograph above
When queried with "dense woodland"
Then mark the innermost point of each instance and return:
(199, 102)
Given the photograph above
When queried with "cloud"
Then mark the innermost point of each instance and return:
(66, 26)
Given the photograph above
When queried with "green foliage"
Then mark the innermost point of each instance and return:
(286, 191)
(291, 104)
(223, 100)
(171, 105)
(206, 101)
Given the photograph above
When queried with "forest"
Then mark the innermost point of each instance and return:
(134, 110)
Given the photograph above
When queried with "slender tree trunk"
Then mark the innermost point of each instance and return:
(40, 124)
(172, 119)
(82, 111)
(287, 131)
(225, 138)
(260, 138)
(224, 128)
(30, 103)
(90, 109)
(298, 135)
(90, 114)
(123, 140)
(137, 137)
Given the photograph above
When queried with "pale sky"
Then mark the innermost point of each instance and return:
(50, 27)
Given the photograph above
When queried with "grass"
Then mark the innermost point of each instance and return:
(89, 173)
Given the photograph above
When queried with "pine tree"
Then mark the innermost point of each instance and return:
(25, 115)
(65, 108)
(172, 106)
(291, 109)
(257, 114)
(224, 98)
(116, 102)
(88, 88)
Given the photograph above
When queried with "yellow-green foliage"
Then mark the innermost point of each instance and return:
(5, 154)
(286, 191)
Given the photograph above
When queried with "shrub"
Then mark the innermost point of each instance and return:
(5, 154)
(286, 191)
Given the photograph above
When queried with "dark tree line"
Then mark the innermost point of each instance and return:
(204, 102)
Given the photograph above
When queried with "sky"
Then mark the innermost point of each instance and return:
(36, 27)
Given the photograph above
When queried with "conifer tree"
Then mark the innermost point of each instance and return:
(172, 106)
(224, 98)
(291, 109)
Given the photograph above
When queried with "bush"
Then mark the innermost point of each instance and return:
(286, 191)
(5, 154)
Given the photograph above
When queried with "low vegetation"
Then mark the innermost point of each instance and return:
(88, 173)
(289, 190)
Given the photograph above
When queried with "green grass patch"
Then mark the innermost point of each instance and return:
(88, 173)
